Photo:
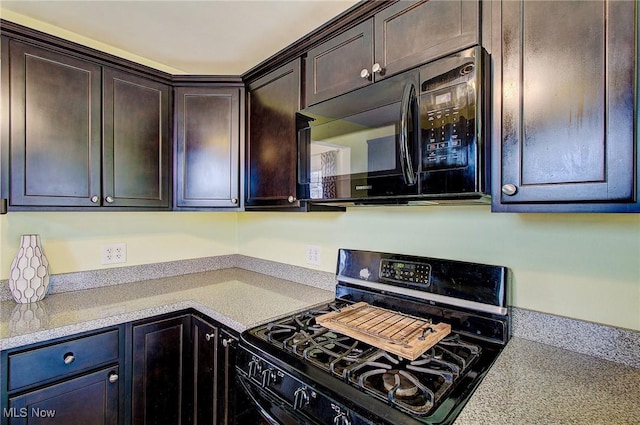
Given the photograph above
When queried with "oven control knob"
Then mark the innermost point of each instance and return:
(268, 377)
(301, 398)
(255, 368)
(341, 419)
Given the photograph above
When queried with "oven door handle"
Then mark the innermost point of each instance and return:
(260, 399)
(407, 129)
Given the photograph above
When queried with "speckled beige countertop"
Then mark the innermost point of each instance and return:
(530, 383)
(534, 383)
(237, 298)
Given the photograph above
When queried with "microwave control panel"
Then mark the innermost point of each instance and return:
(407, 272)
(447, 124)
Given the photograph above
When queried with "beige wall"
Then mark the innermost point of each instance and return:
(73, 241)
(585, 266)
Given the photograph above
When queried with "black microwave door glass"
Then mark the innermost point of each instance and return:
(355, 156)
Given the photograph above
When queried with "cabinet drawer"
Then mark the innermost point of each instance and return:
(62, 359)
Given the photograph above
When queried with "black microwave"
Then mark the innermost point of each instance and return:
(419, 137)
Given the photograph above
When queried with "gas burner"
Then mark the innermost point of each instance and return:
(399, 383)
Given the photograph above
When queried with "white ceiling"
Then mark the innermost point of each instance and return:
(220, 37)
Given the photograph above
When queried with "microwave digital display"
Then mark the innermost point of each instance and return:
(443, 98)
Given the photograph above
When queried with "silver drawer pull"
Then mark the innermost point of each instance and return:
(68, 358)
(113, 377)
(209, 337)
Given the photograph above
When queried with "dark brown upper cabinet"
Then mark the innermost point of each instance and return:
(136, 141)
(83, 135)
(566, 108)
(56, 138)
(207, 134)
(397, 38)
(271, 153)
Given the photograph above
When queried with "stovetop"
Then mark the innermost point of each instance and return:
(415, 387)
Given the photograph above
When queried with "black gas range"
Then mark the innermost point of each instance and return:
(298, 372)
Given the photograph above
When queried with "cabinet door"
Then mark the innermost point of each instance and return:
(207, 147)
(568, 109)
(160, 356)
(205, 372)
(411, 33)
(335, 66)
(55, 128)
(90, 399)
(136, 141)
(272, 143)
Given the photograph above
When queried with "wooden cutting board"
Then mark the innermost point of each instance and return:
(401, 334)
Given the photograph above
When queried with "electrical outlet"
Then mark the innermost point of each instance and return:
(114, 253)
(313, 255)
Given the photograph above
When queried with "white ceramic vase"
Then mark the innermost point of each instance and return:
(29, 274)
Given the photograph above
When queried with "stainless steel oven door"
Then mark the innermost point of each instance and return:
(272, 410)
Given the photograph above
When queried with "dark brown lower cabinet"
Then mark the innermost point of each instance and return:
(67, 381)
(175, 369)
(182, 372)
(205, 372)
(159, 369)
(87, 400)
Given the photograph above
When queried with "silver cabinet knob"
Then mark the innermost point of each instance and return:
(113, 377)
(234, 201)
(68, 358)
(291, 199)
(95, 199)
(109, 199)
(365, 74)
(227, 342)
(509, 189)
(209, 337)
(377, 69)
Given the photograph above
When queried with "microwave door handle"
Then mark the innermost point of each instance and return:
(406, 163)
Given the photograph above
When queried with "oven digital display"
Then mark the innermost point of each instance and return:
(405, 272)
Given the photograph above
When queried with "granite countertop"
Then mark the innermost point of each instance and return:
(530, 383)
(237, 298)
(534, 383)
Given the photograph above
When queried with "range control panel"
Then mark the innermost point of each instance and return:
(405, 272)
